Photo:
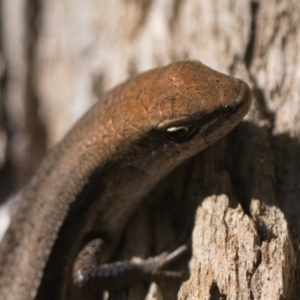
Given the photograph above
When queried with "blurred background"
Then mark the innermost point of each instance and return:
(58, 57)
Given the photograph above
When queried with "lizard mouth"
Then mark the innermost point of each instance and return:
(226, 118)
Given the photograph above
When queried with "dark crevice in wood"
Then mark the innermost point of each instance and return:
(215, 293)
(145, 8)
(250, 47)
(7, 178)
(249, 278)
(249, 55)
(7, 182)
(232, 67)
(236, 152)
(34, 125)
(287, 168)
(3, 113)
(175, 13)
(261, 102)
(98, 85)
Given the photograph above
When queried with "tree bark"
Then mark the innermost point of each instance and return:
(239, 200)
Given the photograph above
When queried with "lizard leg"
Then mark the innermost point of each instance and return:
(90, 275)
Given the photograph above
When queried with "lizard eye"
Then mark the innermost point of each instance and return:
(179, 133)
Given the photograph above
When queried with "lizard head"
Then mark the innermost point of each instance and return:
(184, 107)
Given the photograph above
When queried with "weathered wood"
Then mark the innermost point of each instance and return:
(60, 56)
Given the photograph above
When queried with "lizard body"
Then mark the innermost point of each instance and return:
(90, 184)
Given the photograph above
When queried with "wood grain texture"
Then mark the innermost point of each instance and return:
(254, 40)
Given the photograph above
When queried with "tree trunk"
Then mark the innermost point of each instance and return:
(239, 200)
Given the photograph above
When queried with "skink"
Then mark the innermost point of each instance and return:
(89, 185)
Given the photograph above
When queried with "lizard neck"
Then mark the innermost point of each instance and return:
(74, 189)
